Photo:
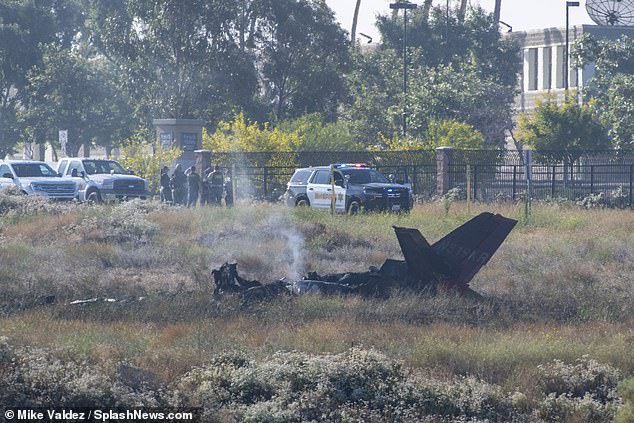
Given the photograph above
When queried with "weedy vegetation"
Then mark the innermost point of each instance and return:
(551, 341)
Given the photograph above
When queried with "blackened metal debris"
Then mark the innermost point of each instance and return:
(450, 263)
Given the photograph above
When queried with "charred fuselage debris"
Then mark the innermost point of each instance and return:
(451, 263)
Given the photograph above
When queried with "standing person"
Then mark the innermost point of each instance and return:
(216, 182)
(229, 189)
(166, 190)
(178, 183)
(204, 186)
(193, 186)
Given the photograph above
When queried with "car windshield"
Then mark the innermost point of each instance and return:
(301, 177)
(364, 176)
(103, 166)
(30, 170)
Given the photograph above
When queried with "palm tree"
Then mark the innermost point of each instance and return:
(498, 7)
(426, 9)
(463, 10)
(355, 19)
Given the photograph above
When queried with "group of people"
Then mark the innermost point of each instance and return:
(188, 188)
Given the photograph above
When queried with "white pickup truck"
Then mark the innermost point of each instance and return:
(36, 178)
(103, 180)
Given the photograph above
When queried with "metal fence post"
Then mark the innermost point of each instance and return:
(591, 179)
(266, 175)
(528, 161)
(475, 182)
(468, 189)
(514, 190)
(631, 182)
(553, 182)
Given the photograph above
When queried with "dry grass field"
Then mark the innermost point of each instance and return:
(551, 341)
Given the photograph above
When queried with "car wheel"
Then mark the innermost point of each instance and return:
(354, 207)
(302, 202)
(93, 197)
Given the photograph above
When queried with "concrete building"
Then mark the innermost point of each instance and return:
(543, 53)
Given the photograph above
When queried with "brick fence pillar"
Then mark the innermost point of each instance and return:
(444, 155)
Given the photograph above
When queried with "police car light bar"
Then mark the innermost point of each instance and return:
(357, 165)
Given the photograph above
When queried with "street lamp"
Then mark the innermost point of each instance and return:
(405, 5)
(569, 4)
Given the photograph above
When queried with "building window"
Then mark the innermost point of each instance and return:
(548, 68)
(533, 65)
(560, 66)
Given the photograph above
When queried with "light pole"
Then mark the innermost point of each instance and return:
(405, 5)
(569, 4)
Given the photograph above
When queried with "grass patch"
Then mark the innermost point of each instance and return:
(560, 288)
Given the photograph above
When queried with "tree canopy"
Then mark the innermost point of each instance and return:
(459, 70)
(564, 131)
(611, 90)
(105, 70)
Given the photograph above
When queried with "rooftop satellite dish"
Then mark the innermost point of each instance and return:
(611, 12)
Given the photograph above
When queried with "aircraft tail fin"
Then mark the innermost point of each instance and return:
(471, 246)
(423, 263)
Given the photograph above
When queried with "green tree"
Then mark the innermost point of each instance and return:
(212, 58)
(71, 92)
(440, 133)
(562, 131)
(305, 55)
(147, 158)
(611, 90)
(240, 135)
(474, 41)
(451, 133)
(180, 59)
(440, 93)
(316, 134)
(26, 28)
(469, 77)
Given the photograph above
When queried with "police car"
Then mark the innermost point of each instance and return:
(357, 187)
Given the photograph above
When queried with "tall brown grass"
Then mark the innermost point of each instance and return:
(560, 287)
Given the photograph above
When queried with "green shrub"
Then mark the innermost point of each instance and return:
(626, 414)
(585, 378)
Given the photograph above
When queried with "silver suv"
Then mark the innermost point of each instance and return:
(36, 178)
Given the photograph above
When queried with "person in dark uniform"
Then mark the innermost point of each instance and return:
(204, 186)
(178, 183)
(166, 190)
(216, 182)
(229, 190)
(193, 186)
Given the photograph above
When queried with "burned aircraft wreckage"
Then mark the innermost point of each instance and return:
(451, 263)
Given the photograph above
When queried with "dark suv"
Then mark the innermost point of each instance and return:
(356, 187)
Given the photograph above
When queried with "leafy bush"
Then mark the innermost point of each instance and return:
(241, 135)
(593, 201)
(147, 158)
(455, 194)
(566, 407)
(15, 204)
(38, 377)
(585, 377)
(124, 222)
(619, 198)
(358, 385)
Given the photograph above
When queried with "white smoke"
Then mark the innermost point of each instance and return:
(294, 251)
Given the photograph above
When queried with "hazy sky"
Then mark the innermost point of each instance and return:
(521, 14)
